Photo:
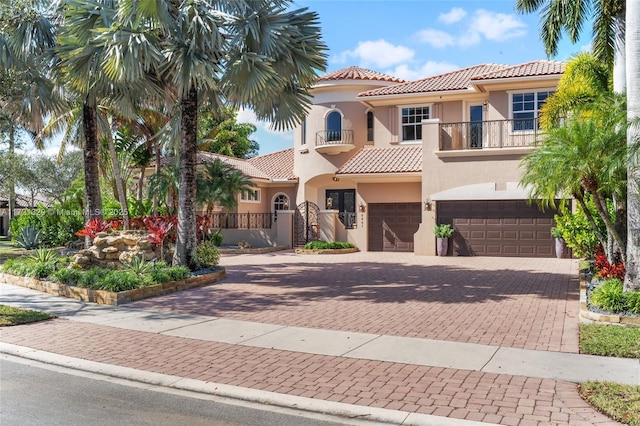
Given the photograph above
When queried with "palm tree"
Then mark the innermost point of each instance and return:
(585, 154)
(254, 54)
(219, 184)
(559, 16)
(222, 134)
(632, 278)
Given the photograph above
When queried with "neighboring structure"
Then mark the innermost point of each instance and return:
(378, 161)
(21, 204)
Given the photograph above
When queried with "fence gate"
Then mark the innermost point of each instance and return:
(305, 223)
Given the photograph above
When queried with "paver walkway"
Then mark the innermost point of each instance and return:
(481, 299)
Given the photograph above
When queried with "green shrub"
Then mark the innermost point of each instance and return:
(443, 231)
(68, 276)
(27, 267)
(120, 280)
(207, 255)
(57, 224)
(609, 296)
(44, 255)
(91, 277)
(577, 231)
(139, 266)
(633, 302)
(216, 238)
(178, 273)
(325, 245)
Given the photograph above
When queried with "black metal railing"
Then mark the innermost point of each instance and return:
(334, 137)
(242, 220)
(348, 219)
(489, 134)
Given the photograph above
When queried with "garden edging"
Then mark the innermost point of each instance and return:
(113, 298)
(588, 316)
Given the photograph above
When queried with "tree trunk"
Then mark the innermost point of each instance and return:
(619, 59)
(632, 45)
(186, 242)
(12, 182)
(157, 171)
(93, 199)
(122, 197)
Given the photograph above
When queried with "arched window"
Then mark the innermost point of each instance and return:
(369, 126)
(334, 126)
(281, 202)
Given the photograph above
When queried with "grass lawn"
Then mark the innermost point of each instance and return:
(620, 402)
(14, 316)
(610, 340)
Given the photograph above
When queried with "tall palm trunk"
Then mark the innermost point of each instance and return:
(186, 242)
(93, 205)
(122, 197)
(12, 182)
(632, 45)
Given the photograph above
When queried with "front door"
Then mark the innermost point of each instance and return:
(475, 126)
(343, 200)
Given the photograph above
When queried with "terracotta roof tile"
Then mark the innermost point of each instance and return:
(23, 202)
(239, 164)
(357, 73)
(404, 159)
(529, 69)
(454, 80)
(278, 165)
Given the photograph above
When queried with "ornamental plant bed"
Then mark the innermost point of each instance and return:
(326, 247)
(114, 298)
(327, 251)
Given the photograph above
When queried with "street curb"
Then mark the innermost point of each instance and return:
(371, 414)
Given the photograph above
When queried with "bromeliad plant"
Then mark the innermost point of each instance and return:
(95, 226)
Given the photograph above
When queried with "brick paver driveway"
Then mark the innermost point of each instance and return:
(515, 302)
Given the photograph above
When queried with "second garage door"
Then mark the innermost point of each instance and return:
(392, 225)
(498, 228)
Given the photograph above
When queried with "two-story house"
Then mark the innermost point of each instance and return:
(378, 161)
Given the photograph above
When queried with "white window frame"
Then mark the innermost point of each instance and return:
(536, 111)
(287, 203)
(401, 126)
(253, 196)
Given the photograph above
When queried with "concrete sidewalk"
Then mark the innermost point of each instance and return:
(420, 357)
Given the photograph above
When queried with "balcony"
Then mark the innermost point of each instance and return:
(494, 134)
(332, 142)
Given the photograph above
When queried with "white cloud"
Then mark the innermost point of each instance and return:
(427, 69)
(379, 53)
(436, 38)
(497, 26)
(454, 15)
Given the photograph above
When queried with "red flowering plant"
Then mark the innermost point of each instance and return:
(160, 229)
(606, 269)
(203, 223)
(94, 226)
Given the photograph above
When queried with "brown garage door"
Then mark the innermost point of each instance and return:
(498, 228)
(392, 225)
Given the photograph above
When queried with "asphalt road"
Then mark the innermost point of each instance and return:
(37, 394)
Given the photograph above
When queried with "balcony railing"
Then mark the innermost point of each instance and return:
(334, 142)
(242, 220)
(489, 134)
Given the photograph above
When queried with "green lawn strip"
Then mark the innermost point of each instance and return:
(620, 402)
(610, 340)
(14, 316)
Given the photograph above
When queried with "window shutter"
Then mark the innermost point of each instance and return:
(393, 124)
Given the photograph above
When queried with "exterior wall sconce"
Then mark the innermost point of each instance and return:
(485, 104)
(362, 208)
(336, 178)
(286, 205)
(329, 203)
(427, 205)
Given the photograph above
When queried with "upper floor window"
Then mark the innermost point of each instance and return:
(253, 195)
(333, 126)
(525, 108)
(412, 122)
(281, 202)
(369, 126)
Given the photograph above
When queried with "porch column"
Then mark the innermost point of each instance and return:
(284, 228)
(327, 223)
(424, 240)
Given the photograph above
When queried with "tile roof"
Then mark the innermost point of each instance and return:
(357, 73)
(454, 80)
(403, 159)
(529, 69)
(23, 202)
(278, 165)
(239, 164)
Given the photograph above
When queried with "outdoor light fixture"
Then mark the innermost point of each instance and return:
(336, 178)
(329, 203)
(427, 205)
(361, 207)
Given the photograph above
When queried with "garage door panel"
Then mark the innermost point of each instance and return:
(498, 228)
(392, 226)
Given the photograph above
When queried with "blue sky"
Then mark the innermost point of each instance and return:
(419, 38)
